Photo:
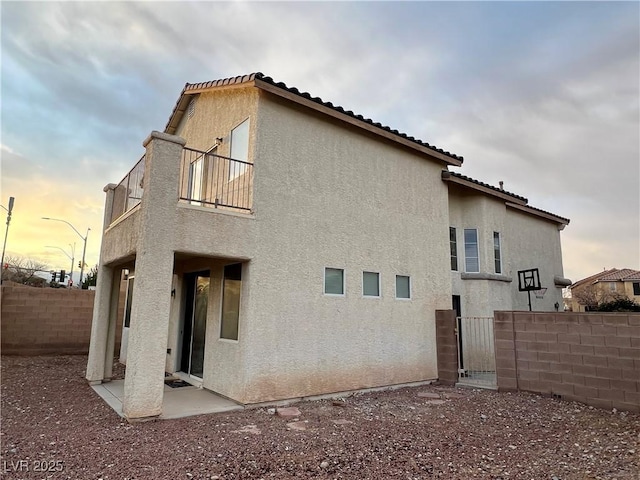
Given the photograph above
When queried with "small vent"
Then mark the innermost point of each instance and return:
(192, 108)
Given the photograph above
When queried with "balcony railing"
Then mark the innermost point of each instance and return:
(215, 181)
(128, 193)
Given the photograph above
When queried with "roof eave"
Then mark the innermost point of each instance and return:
(561, 221)
(448, 177)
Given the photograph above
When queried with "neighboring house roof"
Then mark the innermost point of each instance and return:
(514, 201)
(303, 98)
(626, 274)
(611, 275)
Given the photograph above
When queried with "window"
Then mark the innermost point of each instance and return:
(231, 286)
(370, 284)
(471, 260)
(403, 286)
(128, 302)
(496, 252)
(334, 281)
(239, 149)
(636, 288)
(453, 244)
(612, 286)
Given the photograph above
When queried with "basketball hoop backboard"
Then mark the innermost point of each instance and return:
(529, 280)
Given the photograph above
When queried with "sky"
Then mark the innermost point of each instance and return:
(543, 96)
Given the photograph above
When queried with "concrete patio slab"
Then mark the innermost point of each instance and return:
(177, 402)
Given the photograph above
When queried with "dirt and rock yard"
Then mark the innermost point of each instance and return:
(53, 421)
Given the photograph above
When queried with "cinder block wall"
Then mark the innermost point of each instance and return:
(591, 358)
(48, 321)
(447, 347)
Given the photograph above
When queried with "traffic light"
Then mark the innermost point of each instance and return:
(80, 264)
(53, 276)
(62, 275)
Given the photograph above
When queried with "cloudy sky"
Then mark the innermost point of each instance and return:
(542, 95)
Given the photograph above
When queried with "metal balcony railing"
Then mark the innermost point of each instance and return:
(211, 180)
(128, 193)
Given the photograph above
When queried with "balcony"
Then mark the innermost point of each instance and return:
(128, 193)
(214, 181)
(206, 180)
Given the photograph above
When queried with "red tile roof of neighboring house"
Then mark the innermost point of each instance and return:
(593, 278)
(625, 274)
(267, 83)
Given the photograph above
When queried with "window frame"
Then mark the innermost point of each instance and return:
(408, 277)
(453, 247)
(224, 279)
(477, 251)
(636, 288)
(497, 253)
(238, 168)
(365, 295)
(344, 282)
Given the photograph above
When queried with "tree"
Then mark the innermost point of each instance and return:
(91, 278)
(593, 295)
(23, 270)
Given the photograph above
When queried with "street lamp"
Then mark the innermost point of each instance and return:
(73, 253)
(6, 234)
(84, 239)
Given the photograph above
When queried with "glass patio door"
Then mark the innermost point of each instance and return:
(195, 323)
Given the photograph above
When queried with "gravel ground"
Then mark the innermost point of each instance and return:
(52, 420)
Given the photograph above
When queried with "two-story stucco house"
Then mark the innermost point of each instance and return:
(278, 246)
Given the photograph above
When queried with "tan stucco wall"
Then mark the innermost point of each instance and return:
(537, 245)
(215, 115)
(526, 242)
(328, 197)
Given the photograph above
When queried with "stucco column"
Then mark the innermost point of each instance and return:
(150, 310)
(101, 305)
(113, 320)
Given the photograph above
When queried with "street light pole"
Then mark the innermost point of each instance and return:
(6, 234)
(84, 239)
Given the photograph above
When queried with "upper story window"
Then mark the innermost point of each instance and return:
(403, 286)
(453, 245)
(636, 288)
(333, 281)
(471, 257)
(239, 149)
(497, 254)
(370, 284)
(612, 286)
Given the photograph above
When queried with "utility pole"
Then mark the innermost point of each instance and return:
(6, 234)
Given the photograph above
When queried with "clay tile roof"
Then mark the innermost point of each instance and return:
(624, 274)
(593, 278)
(491, 187)
(181, 106)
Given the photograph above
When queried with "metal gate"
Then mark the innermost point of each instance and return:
(476, 352)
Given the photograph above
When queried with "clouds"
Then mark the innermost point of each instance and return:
(541, 95)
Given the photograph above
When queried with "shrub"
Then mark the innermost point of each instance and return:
(619, 305)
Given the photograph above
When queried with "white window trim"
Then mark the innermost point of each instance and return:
(464, 243)
(410, 287)
(344, 282)
(379, 285)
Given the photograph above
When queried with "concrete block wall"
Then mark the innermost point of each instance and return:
(447, 347)
(591, 358)
(48, 321)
